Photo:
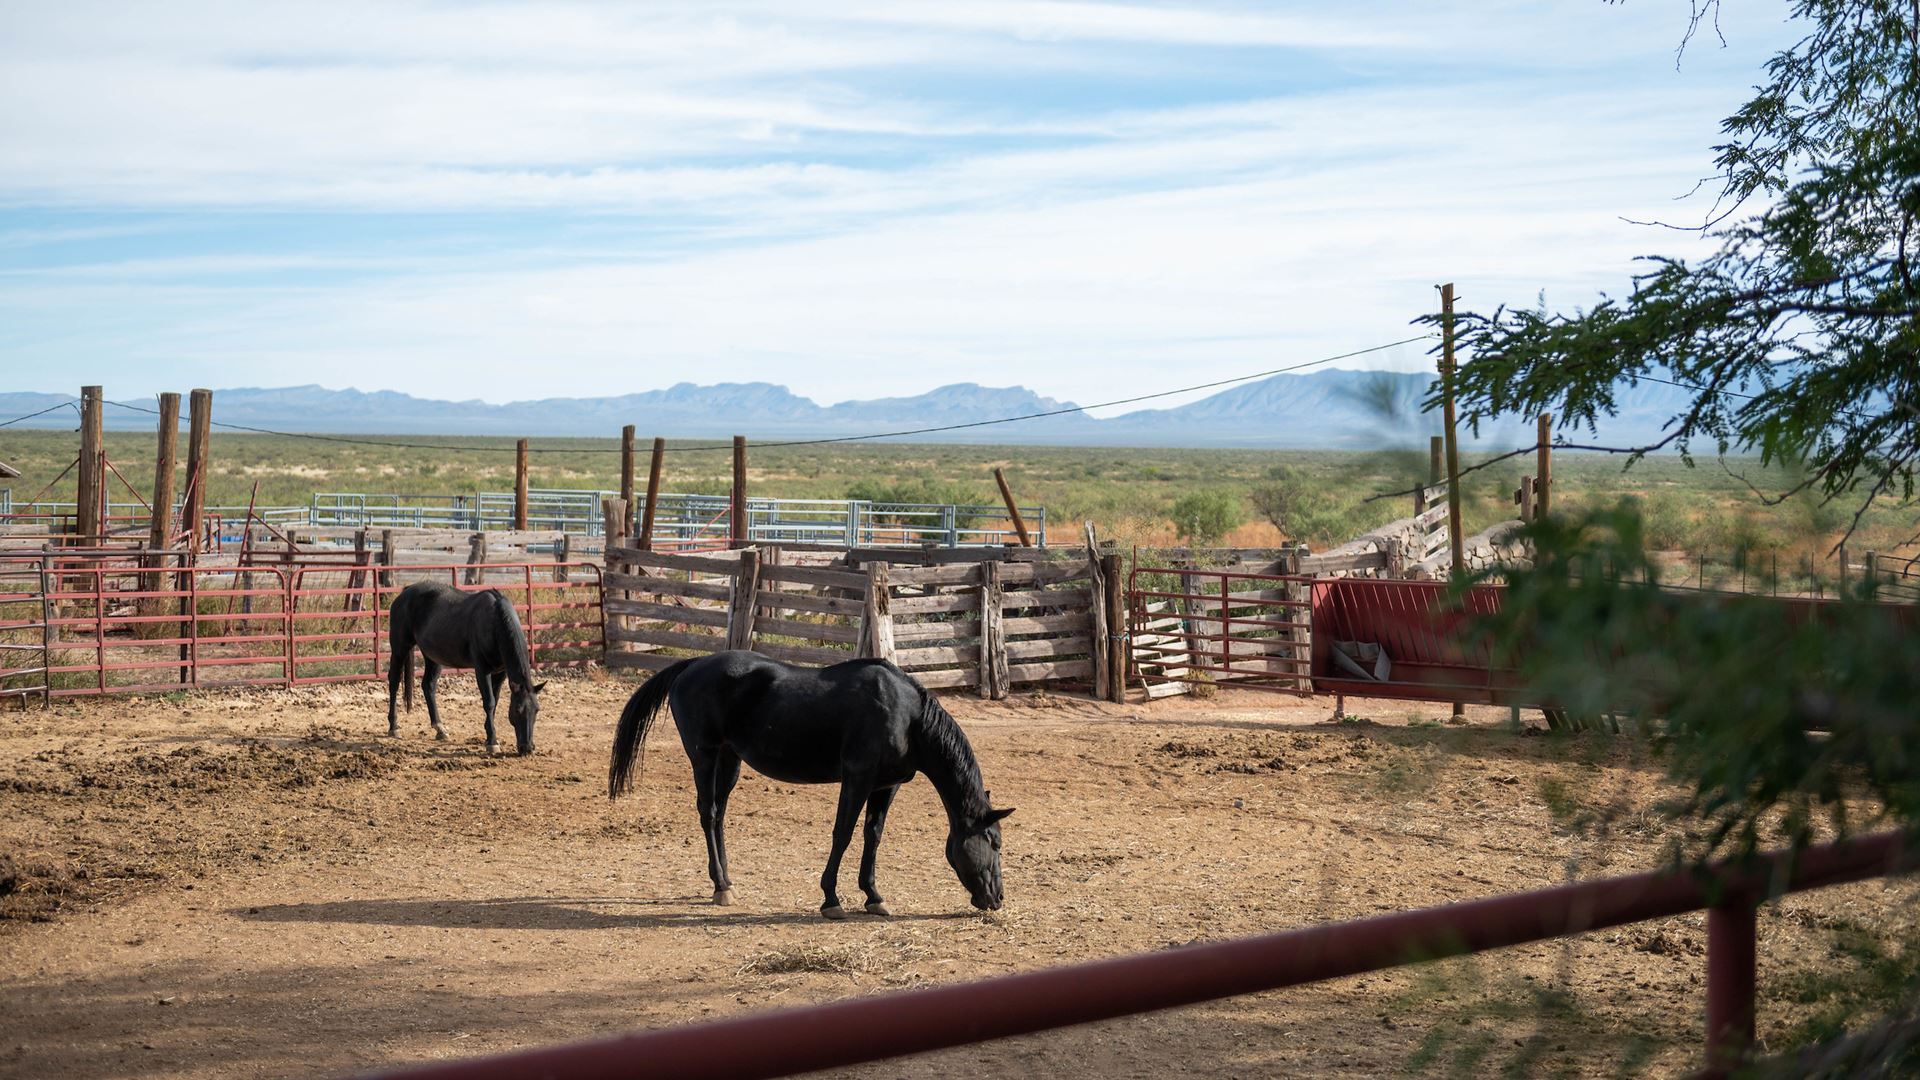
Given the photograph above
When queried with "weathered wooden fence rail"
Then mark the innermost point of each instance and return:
(1005, 617)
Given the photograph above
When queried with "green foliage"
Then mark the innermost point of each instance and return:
(1776, 726)
(1802, 332)
(1203, 517)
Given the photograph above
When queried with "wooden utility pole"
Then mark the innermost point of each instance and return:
(626, 464)
(520, 484)
(87, 518)
(738, 528)
(1013, 509)
(160, 525)
(1456, 537)
(1543, 471)
(653, 494)
(199, 429)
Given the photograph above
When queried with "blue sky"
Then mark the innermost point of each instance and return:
(511, 201)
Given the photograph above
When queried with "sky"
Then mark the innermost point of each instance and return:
(508, 201)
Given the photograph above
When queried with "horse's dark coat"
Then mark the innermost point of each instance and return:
(462, 630)
(864, 724)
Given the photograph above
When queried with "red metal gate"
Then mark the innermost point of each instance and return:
(1211, 626)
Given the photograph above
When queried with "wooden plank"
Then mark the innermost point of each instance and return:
(1015, 599)
(673, 613)
(947, 679)
(648, 661)
(704, 590)
(1056, 669)
(919, 605)
(855, 583)
(1079, 621)
(939, 654)
(806, 654)
(646, 635)
(721, 562)
(823, 605)
(1329, 564)
(936, 631)
(957, 574)
(1044, 648)
(1054, 572)
(815, 631)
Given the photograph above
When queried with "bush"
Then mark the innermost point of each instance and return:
(1203, 517)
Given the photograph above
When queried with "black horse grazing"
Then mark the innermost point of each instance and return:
(462, 630)
(864, 723)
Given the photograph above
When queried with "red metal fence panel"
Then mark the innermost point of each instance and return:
(837, 1035)
(1219, 626)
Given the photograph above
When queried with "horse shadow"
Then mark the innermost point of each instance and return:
(548, 913)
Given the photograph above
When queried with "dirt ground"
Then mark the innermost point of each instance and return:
(257, 884)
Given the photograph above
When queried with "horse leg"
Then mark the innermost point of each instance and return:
(429, 688)
(705, 764)
(726, 773)
(499, 679)
(489, 697)
(852, 796)
(877, 805)
(399, 673)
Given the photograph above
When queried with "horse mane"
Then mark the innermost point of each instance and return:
(520, 671)
(943, 741)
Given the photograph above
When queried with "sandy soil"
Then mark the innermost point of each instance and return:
(257, 885)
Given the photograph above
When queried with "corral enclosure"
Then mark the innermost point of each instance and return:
(253, 883)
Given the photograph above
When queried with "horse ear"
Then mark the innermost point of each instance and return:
(539, 686)
(995, 815)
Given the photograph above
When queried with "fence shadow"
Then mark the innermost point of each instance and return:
(553, 913)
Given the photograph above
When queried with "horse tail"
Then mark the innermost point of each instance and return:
(406, 678)
(630, 739)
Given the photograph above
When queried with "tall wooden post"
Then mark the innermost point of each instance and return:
(160, 524)
(1543, 470)
(199, 431)
(520, 484)
(1013, 509)
(1115, 599)
(626, 464)
(653, 494)
(740, 605)
(993, 638)
(86, 519)
(739, 510)
(1456, 533)
(876, 632)
(1436, 456)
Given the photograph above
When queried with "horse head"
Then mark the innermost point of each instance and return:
(973, 850)
(523, 711)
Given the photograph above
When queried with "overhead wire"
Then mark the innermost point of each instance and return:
(350, 440)
(51, 408)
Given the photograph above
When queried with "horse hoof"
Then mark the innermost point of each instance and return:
(723, 897)
(439, 735)
(835, 912)
(492, 749)
(878, 907)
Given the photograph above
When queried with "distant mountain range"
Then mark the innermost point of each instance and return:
(1331, 409)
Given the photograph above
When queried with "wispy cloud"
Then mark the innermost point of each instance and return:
(855, 200)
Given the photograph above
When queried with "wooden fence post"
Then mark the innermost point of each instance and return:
(626, 464)
(520, 484)
(738, 528)
(613, 517)
(876, 633)
(562, 550)
(1436, 449)
(740, 605)
(386, 558)
(87, 521)
(653, 496)
(199, 431)
(160, 523)
(357, 581)
(993, 637)
(1013, 509)
(1115, 602)
(1543, 471)
(1102, 630)
(476, 554)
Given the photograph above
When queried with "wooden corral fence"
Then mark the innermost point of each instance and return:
(989, 619)
(867, 1028)
(76, 626)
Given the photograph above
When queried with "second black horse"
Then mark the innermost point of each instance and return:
(462, 630)
(865, 724)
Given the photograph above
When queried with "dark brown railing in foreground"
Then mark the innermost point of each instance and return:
(847, 1033)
